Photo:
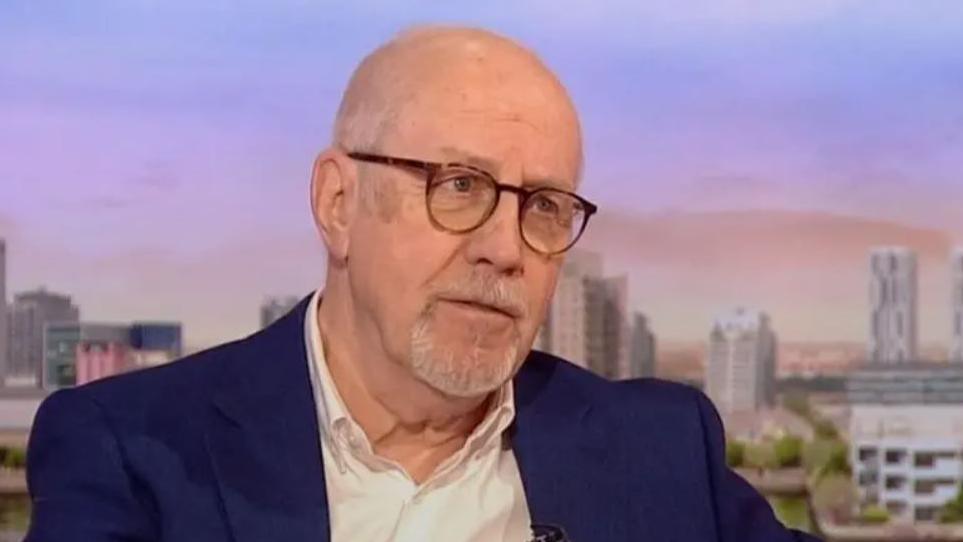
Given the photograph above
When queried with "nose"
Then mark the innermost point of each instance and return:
(498, 242)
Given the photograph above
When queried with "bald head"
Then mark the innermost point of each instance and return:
(405, 76)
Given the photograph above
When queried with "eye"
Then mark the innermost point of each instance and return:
(463, 183)
(544, 204)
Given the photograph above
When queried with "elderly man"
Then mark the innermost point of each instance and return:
(402, 402)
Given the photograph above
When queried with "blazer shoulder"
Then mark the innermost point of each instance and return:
(632, 398)
(176, 386)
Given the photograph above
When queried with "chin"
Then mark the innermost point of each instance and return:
(464, 372)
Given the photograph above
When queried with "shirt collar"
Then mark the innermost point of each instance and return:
(332, 413)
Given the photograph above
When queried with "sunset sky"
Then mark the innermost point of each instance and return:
(154, 155)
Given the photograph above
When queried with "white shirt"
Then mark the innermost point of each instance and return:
(476, 495)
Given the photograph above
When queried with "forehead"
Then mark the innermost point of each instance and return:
(519, 127)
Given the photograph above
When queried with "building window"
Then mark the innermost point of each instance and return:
(895, 457)
(925, 487)
(926, 513)
(895, 482)
(868, 478)
(924, 460)
(867, 454)
(896, 507)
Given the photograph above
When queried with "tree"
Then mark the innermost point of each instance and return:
(874, 514)
(735, 453)
(761, 456)
(788, 451)
(15, 458)
(824, 457)
(797, 402)
(834, 497)
(825, 429)
(952, 511)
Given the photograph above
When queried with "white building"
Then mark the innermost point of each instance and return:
(956, 271)
(907, 458)
(893, 305)
(741, 364)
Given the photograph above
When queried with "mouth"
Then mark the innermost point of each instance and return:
(506, 311)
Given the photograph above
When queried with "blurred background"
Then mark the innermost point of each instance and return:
(780, 189)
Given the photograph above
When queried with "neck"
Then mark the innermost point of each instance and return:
(405, 420)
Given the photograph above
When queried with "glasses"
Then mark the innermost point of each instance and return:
(460, 198)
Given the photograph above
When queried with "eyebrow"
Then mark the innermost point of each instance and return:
(490, 165)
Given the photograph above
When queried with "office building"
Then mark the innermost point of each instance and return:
(956, 296)
(61, 340)
(741, 364)
(30, 313)
(4, 325)
(564, 331)
(587, 322)
(607, 325)
(157, 337)
(893, 306)
(642, 351)
(906, 429)
(907, 458)
(274, 308)
(906, 384)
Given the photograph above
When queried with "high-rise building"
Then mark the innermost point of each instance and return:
(893, 306)
(607, 324)
(564, 332)
(956, 266)
(163, 337)
(274, 308)
(642, 351)
(587, 321)
(61, 341)
(741, 364)
(31, 312)
(4, 326)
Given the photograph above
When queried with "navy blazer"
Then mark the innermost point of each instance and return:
(224, 447)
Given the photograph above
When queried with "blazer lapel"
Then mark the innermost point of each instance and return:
(571, 477)
(262, 435)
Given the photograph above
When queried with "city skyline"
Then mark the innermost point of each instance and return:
(946, 345)
(722, 166)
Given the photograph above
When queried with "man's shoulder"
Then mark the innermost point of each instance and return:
(629, 397)
(174, 388)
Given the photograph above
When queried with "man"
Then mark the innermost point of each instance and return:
(403, 404)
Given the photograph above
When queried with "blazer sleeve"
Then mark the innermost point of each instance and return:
(79, 488)
(742, 514)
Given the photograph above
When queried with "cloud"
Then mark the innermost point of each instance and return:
(215, 292)
(7, 226)
(807, 269)
(158, 176)
(109, 202)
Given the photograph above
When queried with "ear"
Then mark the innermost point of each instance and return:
(334, 201)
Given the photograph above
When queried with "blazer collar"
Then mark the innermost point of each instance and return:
(264, 440)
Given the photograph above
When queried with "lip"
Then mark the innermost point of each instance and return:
(483, 307)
